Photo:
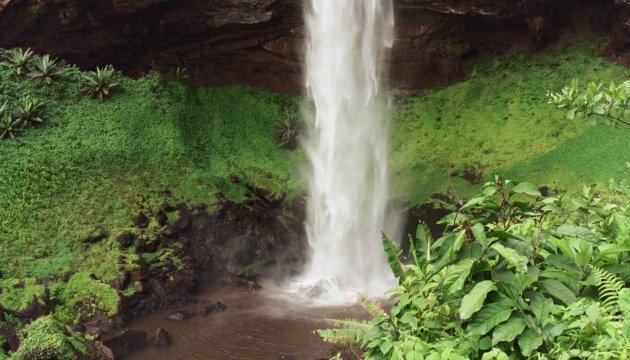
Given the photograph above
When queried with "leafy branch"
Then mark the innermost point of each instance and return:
(610, 103)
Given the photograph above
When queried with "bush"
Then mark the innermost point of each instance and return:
(45, 70)
(48, 339)
(18, 60)
(100, 83)
(511, 277)
(9, 126)
(29, 111)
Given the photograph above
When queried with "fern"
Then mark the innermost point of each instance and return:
(348, 332)
(393, 258)
(608, 286)
(371, 307)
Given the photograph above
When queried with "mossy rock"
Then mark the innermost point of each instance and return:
(46, 339)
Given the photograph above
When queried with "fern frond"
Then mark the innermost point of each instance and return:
(608, 285)
(351, 324)
(373, 308)
(340, 336)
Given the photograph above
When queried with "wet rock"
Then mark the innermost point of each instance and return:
(162, 338)
(161, 217)
(141, 221)
(121, 282)
(180, 316)
(233, 179)
(216, 308)
(96, 235)
(140, 288)
(126, 342)
(184, 219)
(126, 239)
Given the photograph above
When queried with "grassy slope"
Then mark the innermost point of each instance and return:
(96, 164)
(498, 120)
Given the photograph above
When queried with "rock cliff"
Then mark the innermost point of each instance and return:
(258, 41)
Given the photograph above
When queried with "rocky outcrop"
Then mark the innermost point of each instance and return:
(258, 41)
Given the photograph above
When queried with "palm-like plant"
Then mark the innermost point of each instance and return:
(287, 130)
(9, 126)
(29, 111)
(45, 70)
(100, 83)
(18, 59)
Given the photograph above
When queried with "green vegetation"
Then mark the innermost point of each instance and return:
(514, 276)
(100, 83)
(45, 70)
(496, 121)
(47, 338)
(596, 102)
(18, 60)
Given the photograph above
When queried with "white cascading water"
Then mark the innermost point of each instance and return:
(348, 42)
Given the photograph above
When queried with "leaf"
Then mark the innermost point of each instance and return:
(508, 331)
(577, 231)
(489, 316)
(457, 274)
(541, 307)
(526, 188)
(529, 341)
(519, 262)
(473, 301)
(392, 251)
(624, 300)
(614, 249)
(480, 235)
(558, 290)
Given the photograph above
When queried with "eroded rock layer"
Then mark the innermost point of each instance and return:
(258, 42)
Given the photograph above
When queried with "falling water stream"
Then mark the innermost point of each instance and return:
(347, 44)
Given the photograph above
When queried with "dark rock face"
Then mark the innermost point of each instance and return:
(258, 42)
(126, 342)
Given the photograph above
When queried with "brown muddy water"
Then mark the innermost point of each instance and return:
(256, 325)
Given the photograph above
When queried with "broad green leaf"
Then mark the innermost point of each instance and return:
(519, 262)
(473, 301)
(624, 300)
(457, 274)
(558, 290)
(614, 249)
(577, 231)
(529, 341)
(488, 317)
(495, 354)
(508, 331)
(526, 188)
(541, 307)
(480, 235)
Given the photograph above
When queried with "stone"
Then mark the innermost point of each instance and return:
(126, 342)
(216, 308)
(162, 338)
(141, 220)
(180, 315)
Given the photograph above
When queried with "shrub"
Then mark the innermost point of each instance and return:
(596, 102)
(9, 126)
(45, 70)
(100, 83)
(46, 338)
(287, 130)
(29, 111)
(18, 60)
(511, 277)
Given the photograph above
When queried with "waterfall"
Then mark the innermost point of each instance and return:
(348, 42)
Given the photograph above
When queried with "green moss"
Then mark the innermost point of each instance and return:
(47, 338)
(83, 295)
(18, 298)
(499, 121)
(99, 163)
